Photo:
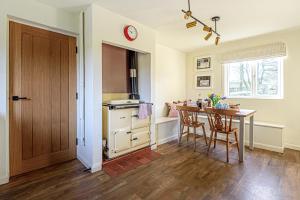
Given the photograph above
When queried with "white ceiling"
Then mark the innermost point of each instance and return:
(239, 18)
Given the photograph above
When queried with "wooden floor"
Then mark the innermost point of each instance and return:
(180, 173)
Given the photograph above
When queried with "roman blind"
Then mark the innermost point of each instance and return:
(255, 53)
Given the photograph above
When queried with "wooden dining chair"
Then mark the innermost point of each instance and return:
(189, 119)
(220, 121)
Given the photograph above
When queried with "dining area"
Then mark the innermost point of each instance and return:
(214, 120)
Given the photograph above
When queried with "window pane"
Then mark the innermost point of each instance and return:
(240, 79)
(267, 82)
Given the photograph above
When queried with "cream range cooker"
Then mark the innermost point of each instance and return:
(123, 131)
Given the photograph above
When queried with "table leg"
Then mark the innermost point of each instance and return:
(251, 137)
(180, 133)
(241, 139)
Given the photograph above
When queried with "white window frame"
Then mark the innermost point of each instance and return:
(254, 85)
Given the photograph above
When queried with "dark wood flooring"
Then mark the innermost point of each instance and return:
(179, 173)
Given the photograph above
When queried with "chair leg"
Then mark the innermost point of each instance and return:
(237, 142)
(210, 140)
(204, 134)
(227, 147)
(215, 139)
(195, 138)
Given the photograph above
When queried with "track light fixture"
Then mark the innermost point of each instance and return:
(206, 28)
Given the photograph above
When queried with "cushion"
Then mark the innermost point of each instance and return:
(172, 107)
(172, 110)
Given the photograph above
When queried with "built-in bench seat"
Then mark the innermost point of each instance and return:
(161, 120)
(267, 135)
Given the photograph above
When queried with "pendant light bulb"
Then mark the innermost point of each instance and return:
(217, 40)
(208, 36)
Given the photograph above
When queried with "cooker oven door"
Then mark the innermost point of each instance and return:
(140, 137)
(122, 139)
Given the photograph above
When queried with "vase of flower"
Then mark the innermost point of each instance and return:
(215, 99)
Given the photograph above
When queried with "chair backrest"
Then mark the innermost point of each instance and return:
(215, 117)
(188, 114)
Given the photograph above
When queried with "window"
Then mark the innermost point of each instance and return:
(254, 79)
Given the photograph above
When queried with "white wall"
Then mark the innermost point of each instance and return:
(170, 85)
(31, 11)
(285, 111)
(170, 78)
(105, 26)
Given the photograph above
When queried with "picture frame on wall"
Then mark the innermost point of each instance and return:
(203, 63)
(203, 81)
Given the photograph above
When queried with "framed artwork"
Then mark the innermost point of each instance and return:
(203, 81)
(203, 63)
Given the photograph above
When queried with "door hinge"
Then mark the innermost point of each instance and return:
(76, 49)
(76, 95)
(76, 141)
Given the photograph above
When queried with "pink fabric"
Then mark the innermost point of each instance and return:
(173, 112)
(145, 110)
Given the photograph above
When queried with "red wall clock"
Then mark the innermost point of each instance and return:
(130, 32)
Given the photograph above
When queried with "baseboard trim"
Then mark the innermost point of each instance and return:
(4, 180)
(168, 139)
(267, 147)
(292, 146)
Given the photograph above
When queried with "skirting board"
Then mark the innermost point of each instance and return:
(168, 139)
(292, 146)
(4, 180)
(256, 145)
(267, 147)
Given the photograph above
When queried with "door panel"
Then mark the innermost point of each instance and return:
(26, 112)
(55, 93)
(140, 136)
(122, 140)
(64, 95)
(43, 69)
(41, 96)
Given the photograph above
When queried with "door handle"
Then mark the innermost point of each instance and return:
(17, 98)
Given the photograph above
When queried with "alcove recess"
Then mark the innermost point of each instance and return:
(116, 81)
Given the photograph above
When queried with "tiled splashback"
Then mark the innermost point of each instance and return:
(114, 96)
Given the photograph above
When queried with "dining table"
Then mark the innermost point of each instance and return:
(241, 116)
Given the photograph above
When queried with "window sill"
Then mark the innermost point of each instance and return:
(256, 98)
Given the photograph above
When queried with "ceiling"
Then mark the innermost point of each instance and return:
(239, 18)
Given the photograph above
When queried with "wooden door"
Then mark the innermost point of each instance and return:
(42, 98)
